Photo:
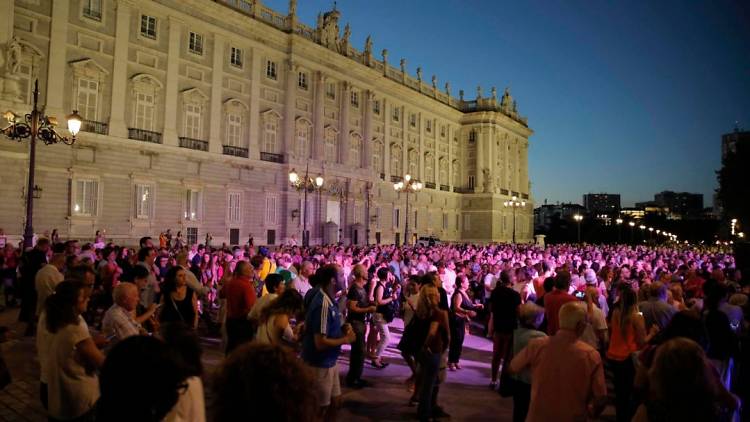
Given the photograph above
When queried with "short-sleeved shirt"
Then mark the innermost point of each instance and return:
(504, 302)
(323, 317)
(359, 295)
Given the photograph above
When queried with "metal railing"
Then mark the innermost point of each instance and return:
(395, 179)
(195, 144)
(235, 151)
(445, 188)
(524, 196)
(94, 127)
(504, 191)
(463, 189)
(144, 135)
(269, 156)
(429, 185)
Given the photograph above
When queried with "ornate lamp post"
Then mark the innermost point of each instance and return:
(407, 185)
(37, 125)
(305, 184)
(578, 218)
(514, 203)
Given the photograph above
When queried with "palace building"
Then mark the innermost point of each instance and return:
(196, 111)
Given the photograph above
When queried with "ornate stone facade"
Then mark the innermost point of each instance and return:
(196, 110)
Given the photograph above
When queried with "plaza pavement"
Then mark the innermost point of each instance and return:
(464, 395)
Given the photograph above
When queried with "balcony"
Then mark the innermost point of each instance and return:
(235, 151)
(524, 196)
(516, 194)
(429, 185)
(144, 135)
(445, 188)
(382, 176)
(463, 189)
(274, 158)
(94, 127)
(195, 144)
(504, 191)
(395, 179)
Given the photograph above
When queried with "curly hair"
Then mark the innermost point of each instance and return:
(290, 302)
(263, 382)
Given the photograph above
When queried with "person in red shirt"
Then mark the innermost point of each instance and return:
(555, 299)
(240, 295)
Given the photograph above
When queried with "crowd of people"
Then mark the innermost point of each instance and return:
(117, 328)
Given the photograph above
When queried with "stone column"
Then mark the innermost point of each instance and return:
(7, 13)
(479, 176)
(404, 144)
(117, 125)
(254, 124)
(436, 157)
(421, 162)
(318, 117)
(504, 162)
(173, 75)
(367, 131)
(215, 138)
(449, 133)
(386, 139)
(344, 136)
(57, 66)
(287, 143)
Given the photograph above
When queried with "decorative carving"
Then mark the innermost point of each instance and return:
(419, 74)
(434, 81)
(506, 103)
(368, 50)
(344, 42)
(292, 7)
(403, 65)
(448, 88)
(328, 29)
(487, 183)
(12, 56)
(384, 53)
(494, 94)
(461, 94)
(479, 93)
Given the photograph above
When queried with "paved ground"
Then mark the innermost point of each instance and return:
(464, 395)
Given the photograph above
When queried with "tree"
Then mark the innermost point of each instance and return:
(734, 185)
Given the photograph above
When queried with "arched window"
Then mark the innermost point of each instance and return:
(144, 90)
(234, 111)
(355, 150)
(429, 167)
(377, 156)
(303, 139)
(396, 156)
(413, 160)
(457, 174)
(443, 171)
(330, 152)
(270, 132)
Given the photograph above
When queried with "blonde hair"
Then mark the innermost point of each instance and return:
(424, 307)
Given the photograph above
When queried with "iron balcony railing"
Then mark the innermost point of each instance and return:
(195, 144)
(269, 156)
(445, 188)
(429, 185)
(458, 189)
(94, 127)
(144, 135)
(235, 151)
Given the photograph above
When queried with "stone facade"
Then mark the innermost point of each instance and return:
(195, 112)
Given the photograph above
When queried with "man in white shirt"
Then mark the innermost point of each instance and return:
(302, 283)
(47, 278)
(118, 321)
(490, 280)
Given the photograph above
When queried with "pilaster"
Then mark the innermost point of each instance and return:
(421, 162)
(173, 75)
(344, 136)
(367, 131)
(215, 138)
(318, 118)
(254, 123)
(117, 125)
(287, 143)
(7, 13)
(57, 68)
(386, 107)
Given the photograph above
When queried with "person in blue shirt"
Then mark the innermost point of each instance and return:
(322, 340)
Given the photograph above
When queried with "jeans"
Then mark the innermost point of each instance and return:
(385, 334)
(429, 366)
(357, 356)
(521, 401)
(458, 331)
(624, 375)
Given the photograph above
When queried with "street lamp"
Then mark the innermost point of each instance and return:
(578, 218)
(619, 229)
(514, 203)
(37, 125)
(305, 184)
(407, 185)
(632, 226)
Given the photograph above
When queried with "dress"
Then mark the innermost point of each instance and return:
(178, 310)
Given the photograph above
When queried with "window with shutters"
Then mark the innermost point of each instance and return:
(303, 138)
(85, 197)
(331, 90)
(396, 114)
(377, 157)
(271, 209)
(234, 205)
(396, 159)
(148, 26)
(144, 111)
(193, 121)
(413, 163)
(271, 69)
(271, 128)
(193, 204)
(236, 57)
(144, 201)
(234, 130)
(92, 9)
(355, 150)
(87, 99)
(429, 168)
(329, 151)
(413, 120)
(195, 43)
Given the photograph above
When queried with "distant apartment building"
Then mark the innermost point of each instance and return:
(601, 203)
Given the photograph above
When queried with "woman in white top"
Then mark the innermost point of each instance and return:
(72, 356)
(273, 326)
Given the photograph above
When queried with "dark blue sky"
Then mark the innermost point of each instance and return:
(626, 97)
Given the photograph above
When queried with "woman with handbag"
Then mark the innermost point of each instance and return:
(462, 311)
(178, 302)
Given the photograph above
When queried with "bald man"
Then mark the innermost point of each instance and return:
(119, 320)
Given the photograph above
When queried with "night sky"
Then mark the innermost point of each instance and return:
(624, 97)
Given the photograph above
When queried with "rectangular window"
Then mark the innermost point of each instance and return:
(234, 200)
(271, 237)
(376, 107)
(235, 57)
(413, 120)
(144, 111)
(92, 9)
(148, 26)
(193, 118)
(271, 210)
(355, 98)
(472, 180)
(442, 130)
(331, 90)
(87, 98)
(445, 221)
(86, 197)
(428, 125)
(234, 236)
(472, 136)
(396, 114)
(302, 80)
(271, 69)
(195, 44)
(193, 202)
(144, 201)
(234, 130)
(396, 217)
(192, 235)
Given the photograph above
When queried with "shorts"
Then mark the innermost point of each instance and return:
(327, 384)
